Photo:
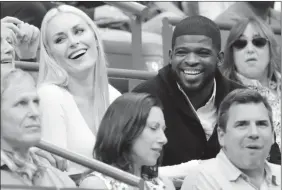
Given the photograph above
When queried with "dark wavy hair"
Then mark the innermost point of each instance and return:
(228, 67)
(122, 124)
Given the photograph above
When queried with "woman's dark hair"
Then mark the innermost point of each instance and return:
(122, 124)
(228, 67)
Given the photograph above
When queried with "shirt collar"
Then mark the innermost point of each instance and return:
(233, 173)
(8, 162)
(210, 102)
(248, 82)
(270, 175)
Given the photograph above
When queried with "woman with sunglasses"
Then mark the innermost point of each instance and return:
(252, 58)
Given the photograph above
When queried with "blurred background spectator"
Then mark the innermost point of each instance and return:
(262, 9)
(31, 12)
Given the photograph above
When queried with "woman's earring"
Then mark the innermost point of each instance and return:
(219, 63)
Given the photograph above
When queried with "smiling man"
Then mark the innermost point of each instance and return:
(191, 89)
(246, 135)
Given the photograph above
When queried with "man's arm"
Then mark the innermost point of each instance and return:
(197, 179)
(150, 86)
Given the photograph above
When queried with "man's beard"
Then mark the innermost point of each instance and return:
(208, 79)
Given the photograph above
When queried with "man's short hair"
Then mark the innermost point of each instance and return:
(240, 96)
(198, 25)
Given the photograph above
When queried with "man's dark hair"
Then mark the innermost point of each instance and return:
(262, 4)
(198, 25)
(240, 96)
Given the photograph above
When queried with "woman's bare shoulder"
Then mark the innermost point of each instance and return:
(93, 182)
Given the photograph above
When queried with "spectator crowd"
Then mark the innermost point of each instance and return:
(210, 119)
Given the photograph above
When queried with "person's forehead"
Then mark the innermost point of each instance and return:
(155, 116)
(186, 40)
(253, 30)
(248, 111)
(61, 22)
(17, 89)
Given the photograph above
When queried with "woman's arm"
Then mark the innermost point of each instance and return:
(54, 128)
(93, 182)
(168, 183)
(179, 170)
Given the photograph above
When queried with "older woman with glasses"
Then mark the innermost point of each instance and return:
(21, 130)
(252, 58)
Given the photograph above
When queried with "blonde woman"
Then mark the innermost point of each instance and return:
(72, 83)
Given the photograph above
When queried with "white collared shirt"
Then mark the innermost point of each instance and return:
(220, 173)
(207, 113)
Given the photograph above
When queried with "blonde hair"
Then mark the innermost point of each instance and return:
(51, 72)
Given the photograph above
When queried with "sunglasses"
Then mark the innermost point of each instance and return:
(242, 43)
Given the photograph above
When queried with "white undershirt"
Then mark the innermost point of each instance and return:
(207, 113)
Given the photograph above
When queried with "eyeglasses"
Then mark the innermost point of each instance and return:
(242, 43)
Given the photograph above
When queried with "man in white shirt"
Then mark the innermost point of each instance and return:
(245, 133)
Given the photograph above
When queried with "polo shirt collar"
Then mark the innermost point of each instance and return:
(233, 173)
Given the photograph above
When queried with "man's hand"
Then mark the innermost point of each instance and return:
(28, 42)
(9, 26)
(25, 36)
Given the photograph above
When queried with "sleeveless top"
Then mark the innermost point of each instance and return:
(113, 184)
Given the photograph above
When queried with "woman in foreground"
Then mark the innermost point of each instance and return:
(131, 137)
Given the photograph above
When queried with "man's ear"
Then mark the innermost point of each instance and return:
(220, 58)
(273, 137)
(170, 55)
(220, 134)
